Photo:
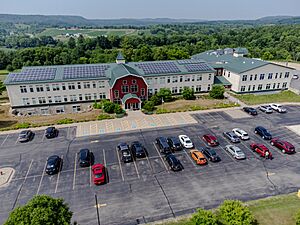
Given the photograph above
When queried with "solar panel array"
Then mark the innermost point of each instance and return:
(189, 61)
(89, 71)
(197, 67)
(33, 74)
(158, 68)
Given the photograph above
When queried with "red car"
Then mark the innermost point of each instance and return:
(210, 140)
(98, 174)
(262, 150)
(284, 146)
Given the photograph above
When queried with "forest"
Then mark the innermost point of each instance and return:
(157, 42)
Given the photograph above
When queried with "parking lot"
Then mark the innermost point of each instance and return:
(146, 190)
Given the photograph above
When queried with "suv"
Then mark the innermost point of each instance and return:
(265, 108)
(261, 131)
(284, 146)
(174, 163)
(174, 143)
(250, 111)
(25, 135)
(138, 150)
(210, 140)
(241, 133)
(85, 158)
(211, 154)
(163, 145)
(262, 150)
(125, 152)
(54, 164)
(231, 137)
(51, 132)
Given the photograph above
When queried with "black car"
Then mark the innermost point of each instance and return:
(125, 152)
(85, 158)
(174, 143)
(174, 163)
(51, 132)
(250, 111)
(163, 145)
(138, 150)
(54, 164)
(263, 132)
(25, 135)
(211, 155)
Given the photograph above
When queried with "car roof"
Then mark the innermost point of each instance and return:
(162, 138)
(183, 136)
(53, 157)
(97, 167)
(50, 128)
(24, 131)
(200, 154)
(262, 146)
(210, 136)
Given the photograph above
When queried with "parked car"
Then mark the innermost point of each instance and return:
(295, 76)
(98, 174)
(211, 154)
(85, 158)
(163, 145)
(265, 109)
(235, 151)
(51, 132)
(198, 157)
(138, 150)
(185, 141)
(174, 163)
(284, 146)
(54, 164)
(250, 111)
(263, 132)
(262, 150)
(211, 140)
(241, 133)
(277, 107)
(25, 135)
(231, 137)
(124, 151)
(174, 143)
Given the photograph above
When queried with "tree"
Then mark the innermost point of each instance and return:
(108, 107)
(71, 43)
(204, 217)
(118, 109)
(217, 91)
(2, 87)
(149, 106)
(298, 218)
(41, 209)
(233, 212)
(165, 94)
(188, 93)
(155, 99)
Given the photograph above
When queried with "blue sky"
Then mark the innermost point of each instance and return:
(190, 9)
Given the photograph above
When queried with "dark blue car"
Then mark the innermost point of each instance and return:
(263, 132)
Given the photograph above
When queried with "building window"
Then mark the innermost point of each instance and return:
(274, 85)
(39, 88)
(73, 98)
(60, 110)
(180, 89)
(262, 76)
(168, 79)
(228, 74)
(101, 84)
(278, 85)
(49, 99)
(76, 108)
(65, 98)
(276, 75)
(284, 85)
(95, 96)
(88, 97)
(251, 77)
(33, 101)
(268, 86)
(63, 86)
(57, 99)
(94, 84)
(150, 92)
(143, 92)
(102, 95)
(116, 94)
(47, 87)
(287, 74)
(243, 88)
(155, 81)
(25, 101)
(187, 79)
(208, 87)
(133, 88)
(255, 77)
(80, 97)
(86, 85)
(270, 76)
(180, 78)
(55, 87)
(44, 111)
(198, 88)
(249, 87)
(42, 100)
(199, 77)
(174, 90)
(23, 89)
(280, 76)
(193, 77)
(244, 78)
(71, 86)
(209, 77)
(78, 85)
(155, 90)
(124, 81)
(134, 81)
(259, 87)
(125, 89)
(174, 79)
(253, 88)
(31, 88)
(162, 80)
(149, 80)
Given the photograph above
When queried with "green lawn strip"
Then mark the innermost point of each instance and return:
(284, 96)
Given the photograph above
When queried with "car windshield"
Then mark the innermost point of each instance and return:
(212, 152)
(125, 153)
(83, 154)
(188, 141)
(98, 175)
(22, 135)
(239, 152)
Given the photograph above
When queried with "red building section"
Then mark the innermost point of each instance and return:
(129, 91)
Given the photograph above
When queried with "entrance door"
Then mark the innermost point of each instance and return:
(132, 106)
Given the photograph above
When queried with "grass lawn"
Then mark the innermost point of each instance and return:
(284, 96)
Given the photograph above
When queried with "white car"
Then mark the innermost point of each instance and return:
(241, 133)
(235, 151)
(185, 141)
(277, 107)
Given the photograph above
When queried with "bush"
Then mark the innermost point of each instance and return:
(298, 218)
(118, 109)
(22, 125)
(165, 94)
(188, 93)
(149, 106)
(156, 100)
(162, 111)
(97, 105)
(104, 117)
(108, 107)
(217, 92)
(204, 217)
(233, 212)
(65, 121)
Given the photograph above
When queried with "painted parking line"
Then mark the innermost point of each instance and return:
(74, 176)
(4, 139)
(60, 167)
(43, 138)
(120, 165)
(68, 132)
(39, 187)
(104, 159)
(161, 158)
(90, 175)
(137, 172)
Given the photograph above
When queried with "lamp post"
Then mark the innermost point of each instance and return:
(97, 209)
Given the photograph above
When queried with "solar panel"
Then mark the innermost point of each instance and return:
(158, 67)
(88, 71)
(189, 61)
(197, 67)
(33, 74)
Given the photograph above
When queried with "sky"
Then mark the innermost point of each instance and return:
(188, 9)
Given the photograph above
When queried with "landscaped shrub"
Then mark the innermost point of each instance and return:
(188, 93)
(217, 92)
(162, 111)
(65, 121)
(104, 117)
(298, 218)
(22, 125)
(149, 106)
(108, 107)
(204, 217)
(118, 109)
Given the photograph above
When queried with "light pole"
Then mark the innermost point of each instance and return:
(97, 209)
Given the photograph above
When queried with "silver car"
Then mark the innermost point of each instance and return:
(25, 135)
(231, 137)
(241, 133)
(235, 151)
(266, 108)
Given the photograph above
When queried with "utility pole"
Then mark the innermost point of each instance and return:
(97, 209)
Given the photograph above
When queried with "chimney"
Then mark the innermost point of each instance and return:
(120, 59)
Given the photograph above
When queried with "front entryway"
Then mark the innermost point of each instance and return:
(132, 106)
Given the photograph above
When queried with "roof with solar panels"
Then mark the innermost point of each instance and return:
(108, 71)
